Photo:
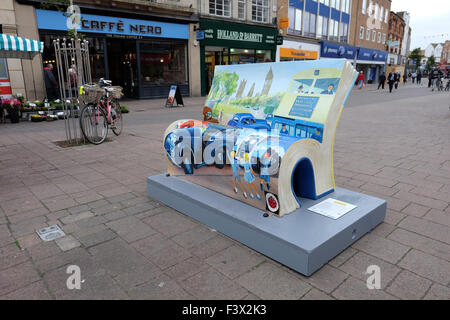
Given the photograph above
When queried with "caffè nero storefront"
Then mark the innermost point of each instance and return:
(223, 43)
(144, 57)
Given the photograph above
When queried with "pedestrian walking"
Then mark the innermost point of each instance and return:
(381, 80)
(361, 80)
(419, 77)
(414, 76)
(405, 78)
(50, 82)
(435, 77)
(397, 80)
(391, 80)
(430, 77)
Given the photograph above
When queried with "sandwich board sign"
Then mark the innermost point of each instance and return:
(174, 94)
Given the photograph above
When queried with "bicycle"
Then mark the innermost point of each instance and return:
(102, 111)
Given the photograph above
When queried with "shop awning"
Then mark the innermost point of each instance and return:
(17, 47)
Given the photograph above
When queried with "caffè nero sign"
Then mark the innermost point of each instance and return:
(113, 26)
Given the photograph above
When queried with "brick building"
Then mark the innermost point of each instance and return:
(396, 35)
(445, 56)
(368, 32)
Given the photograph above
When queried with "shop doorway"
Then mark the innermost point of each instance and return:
(122, 65)
(214, 56)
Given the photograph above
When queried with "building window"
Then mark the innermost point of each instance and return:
(381, 13)
(334, 30)
(368, 35)
(361, 32)
(379, 37)
(295, 21)
(386, 12)
(347, 6)
(343, 32)
(374, 35)
(376, 11)
(369, 10)
(325, 2)
(338, 4)
(384, 38)
(333, 3)
(324, 28)
(364, 6)
(220, 8)
(309, 24)
(319, 26)
(260, 10)
(242, 9)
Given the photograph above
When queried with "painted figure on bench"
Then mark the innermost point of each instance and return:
(284, 131)
(249, 176)
(264, 175)
(236, 173)
(329, 90)
(207, 115)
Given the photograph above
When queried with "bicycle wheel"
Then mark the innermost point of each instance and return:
(117, 117)
(94, 124)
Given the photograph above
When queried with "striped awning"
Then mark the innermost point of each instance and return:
(17, 47)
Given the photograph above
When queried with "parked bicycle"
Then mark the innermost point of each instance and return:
(101, 111)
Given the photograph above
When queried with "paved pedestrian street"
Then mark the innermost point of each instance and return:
(128, 246)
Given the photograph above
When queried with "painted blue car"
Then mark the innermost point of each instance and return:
(247, 120)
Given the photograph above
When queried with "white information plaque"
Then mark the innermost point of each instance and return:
(332, 208)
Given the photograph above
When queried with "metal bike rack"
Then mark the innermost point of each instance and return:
(72, 52)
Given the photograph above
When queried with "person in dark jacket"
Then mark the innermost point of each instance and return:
(391, 80)
(381, 80)
(50, 82)
(419, 77)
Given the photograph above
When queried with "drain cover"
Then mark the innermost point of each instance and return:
(50, 233)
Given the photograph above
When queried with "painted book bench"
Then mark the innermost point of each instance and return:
(262, 156)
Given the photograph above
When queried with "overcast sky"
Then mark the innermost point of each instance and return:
(428, 18)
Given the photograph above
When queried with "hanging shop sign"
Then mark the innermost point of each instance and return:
(55, 20)
(298, 54)
(220, 33)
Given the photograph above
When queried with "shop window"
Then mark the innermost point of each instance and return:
(242, 9)
(163, 63)
(242, 56)
(220, 8)
(263, 56)
(260, 10)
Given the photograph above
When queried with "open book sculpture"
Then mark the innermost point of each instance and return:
(267, 133)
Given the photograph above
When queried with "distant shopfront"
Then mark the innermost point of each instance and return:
(144, 57)
(370, 61)
(223, 43)
(292, 50)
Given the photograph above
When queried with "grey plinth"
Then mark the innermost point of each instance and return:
(302, 240)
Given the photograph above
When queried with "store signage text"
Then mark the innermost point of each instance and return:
(95, 25)
(239, 36)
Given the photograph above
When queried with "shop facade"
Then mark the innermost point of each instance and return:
(370, 61)
(224, 43)
(145, 57)
(296, 50)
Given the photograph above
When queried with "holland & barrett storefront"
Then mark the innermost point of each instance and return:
(224, 43)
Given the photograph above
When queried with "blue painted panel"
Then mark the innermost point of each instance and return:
(324, 10)
(371, 55)
(296, 4)
(311, 6)
(55, 20)
(335, 14)
(345, 17)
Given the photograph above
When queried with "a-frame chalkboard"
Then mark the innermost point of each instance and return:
(174, 95)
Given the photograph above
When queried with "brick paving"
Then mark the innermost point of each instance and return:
(128, 246)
